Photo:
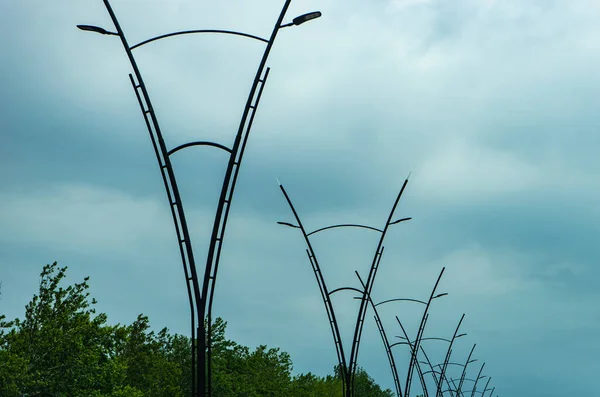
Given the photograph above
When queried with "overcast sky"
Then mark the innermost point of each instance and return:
(491, 104)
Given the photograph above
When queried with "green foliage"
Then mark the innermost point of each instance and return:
(62, 347)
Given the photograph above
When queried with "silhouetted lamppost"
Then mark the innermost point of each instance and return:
(347, 367)
(200, 296)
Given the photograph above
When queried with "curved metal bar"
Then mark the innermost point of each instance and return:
(422, 339)
(228, 188)
(170, 183)
(401, 299)
(471, 391)
(198, 143)
(413, 357)
(470, 380)
(459, 364)
(386, 342)
(325, 295)
(163, 36)
(345, 289)
(345, 225)
(477, 380)
(360, 318)
(464, 372)
(448, 354)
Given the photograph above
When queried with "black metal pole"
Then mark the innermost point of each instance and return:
(464, 372)
(477, 380)
(418, 365)
(386, 342)
(325, 294)
(448, 354)
(413, 357)
(177, 212)
(362, 311)
(224, 205)
(486, 385)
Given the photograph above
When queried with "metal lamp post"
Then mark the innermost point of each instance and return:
(200, 296)
(347, 367)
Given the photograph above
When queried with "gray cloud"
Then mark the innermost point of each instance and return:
(491, 105)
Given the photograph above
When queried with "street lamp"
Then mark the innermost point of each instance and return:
(200, 296)
(348, 368)
(299, 20)
(96, 29)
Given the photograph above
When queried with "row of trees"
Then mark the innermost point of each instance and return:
(62, 347)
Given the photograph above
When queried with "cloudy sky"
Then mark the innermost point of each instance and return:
(491, 105)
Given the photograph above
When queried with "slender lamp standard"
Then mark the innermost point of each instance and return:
(200, 296)
(347, 367)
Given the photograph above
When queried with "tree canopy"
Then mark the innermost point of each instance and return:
(62, 347)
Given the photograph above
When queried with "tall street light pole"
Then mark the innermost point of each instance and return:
(347, 368)
(200, 297)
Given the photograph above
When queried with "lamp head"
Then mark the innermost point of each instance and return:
(288, 224)
(97, 29)
(299, 20)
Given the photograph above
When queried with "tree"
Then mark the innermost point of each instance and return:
(60, 344)
(62, 347)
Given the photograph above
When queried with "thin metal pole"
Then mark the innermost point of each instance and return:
(418, 365)
(477, 380)
(169, 179)
(386, 342)
(413, 357)
(325, 295)
(224, 205)
(362, 311)
(448, 354)
(464, 372)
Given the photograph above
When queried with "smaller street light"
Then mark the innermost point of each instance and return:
(299, 20)
(440, 295)
(459, 336)
(288, 224)
(97, 29)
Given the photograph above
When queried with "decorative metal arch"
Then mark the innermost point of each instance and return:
(200, 296)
